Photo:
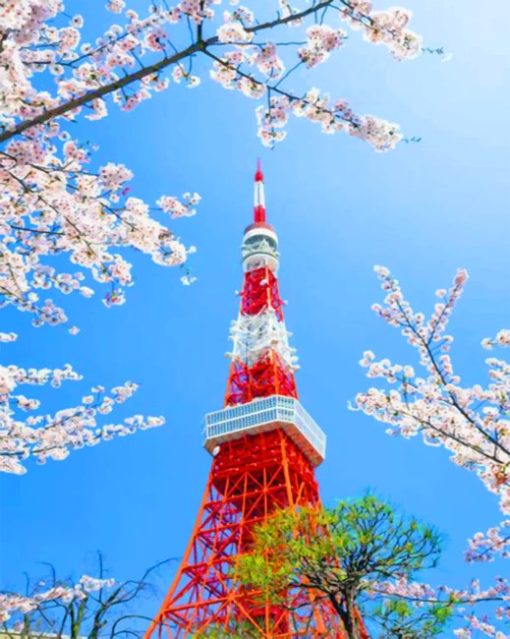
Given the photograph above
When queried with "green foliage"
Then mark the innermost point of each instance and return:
(236, 630)
(347, 554)
(397, 619)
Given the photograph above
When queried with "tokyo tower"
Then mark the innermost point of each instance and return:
(264, 447)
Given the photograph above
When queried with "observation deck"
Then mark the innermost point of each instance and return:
(262, 415)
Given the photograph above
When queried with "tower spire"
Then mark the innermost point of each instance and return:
(259, 199)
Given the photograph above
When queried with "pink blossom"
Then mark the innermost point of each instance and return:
(43, 437)
(116, 6)
(470, 422)
(233, 32)
(11, 603)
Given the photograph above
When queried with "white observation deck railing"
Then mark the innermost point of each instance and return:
(262, 415)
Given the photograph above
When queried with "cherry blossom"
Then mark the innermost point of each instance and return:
(43, 436)
(495, 599)
(12, 603)
(422, 593)
(92, 606)
(471, 422)
(85, 73)
(54, 206)
(322, 39)
(53, 200)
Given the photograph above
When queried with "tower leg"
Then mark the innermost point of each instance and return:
(251, 477)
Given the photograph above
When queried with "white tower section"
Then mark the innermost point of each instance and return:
(260, 248)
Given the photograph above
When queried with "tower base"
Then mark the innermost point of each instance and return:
(251, 478)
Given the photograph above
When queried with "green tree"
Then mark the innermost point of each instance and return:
(362, 556)
(241, 630)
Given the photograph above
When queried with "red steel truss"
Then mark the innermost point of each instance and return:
(260, 292)
(250, 478)
(268, 376)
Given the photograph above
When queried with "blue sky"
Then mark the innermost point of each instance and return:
(423, 210)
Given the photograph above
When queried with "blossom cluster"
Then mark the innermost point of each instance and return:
(11, 604)
(423, 592)
(42, 436)
(52, 201)
(471, 422)
(502, 339)
(85, 74)
(461, 602)
(251, 67)
(332, 117)
(387, 27)
(321, 40)
(54, 206)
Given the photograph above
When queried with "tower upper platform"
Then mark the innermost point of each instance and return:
(261, 391)
(262, 415)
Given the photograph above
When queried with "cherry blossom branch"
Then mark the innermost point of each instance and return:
(66, 107)
(470, 422)
(443, 316)
(351, 12)
(11, 603)
(199, 45)
(42, 437)
(95, 606)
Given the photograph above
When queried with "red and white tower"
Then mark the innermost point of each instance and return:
(265, 447)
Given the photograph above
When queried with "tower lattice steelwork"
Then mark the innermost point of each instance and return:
(265, 447)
